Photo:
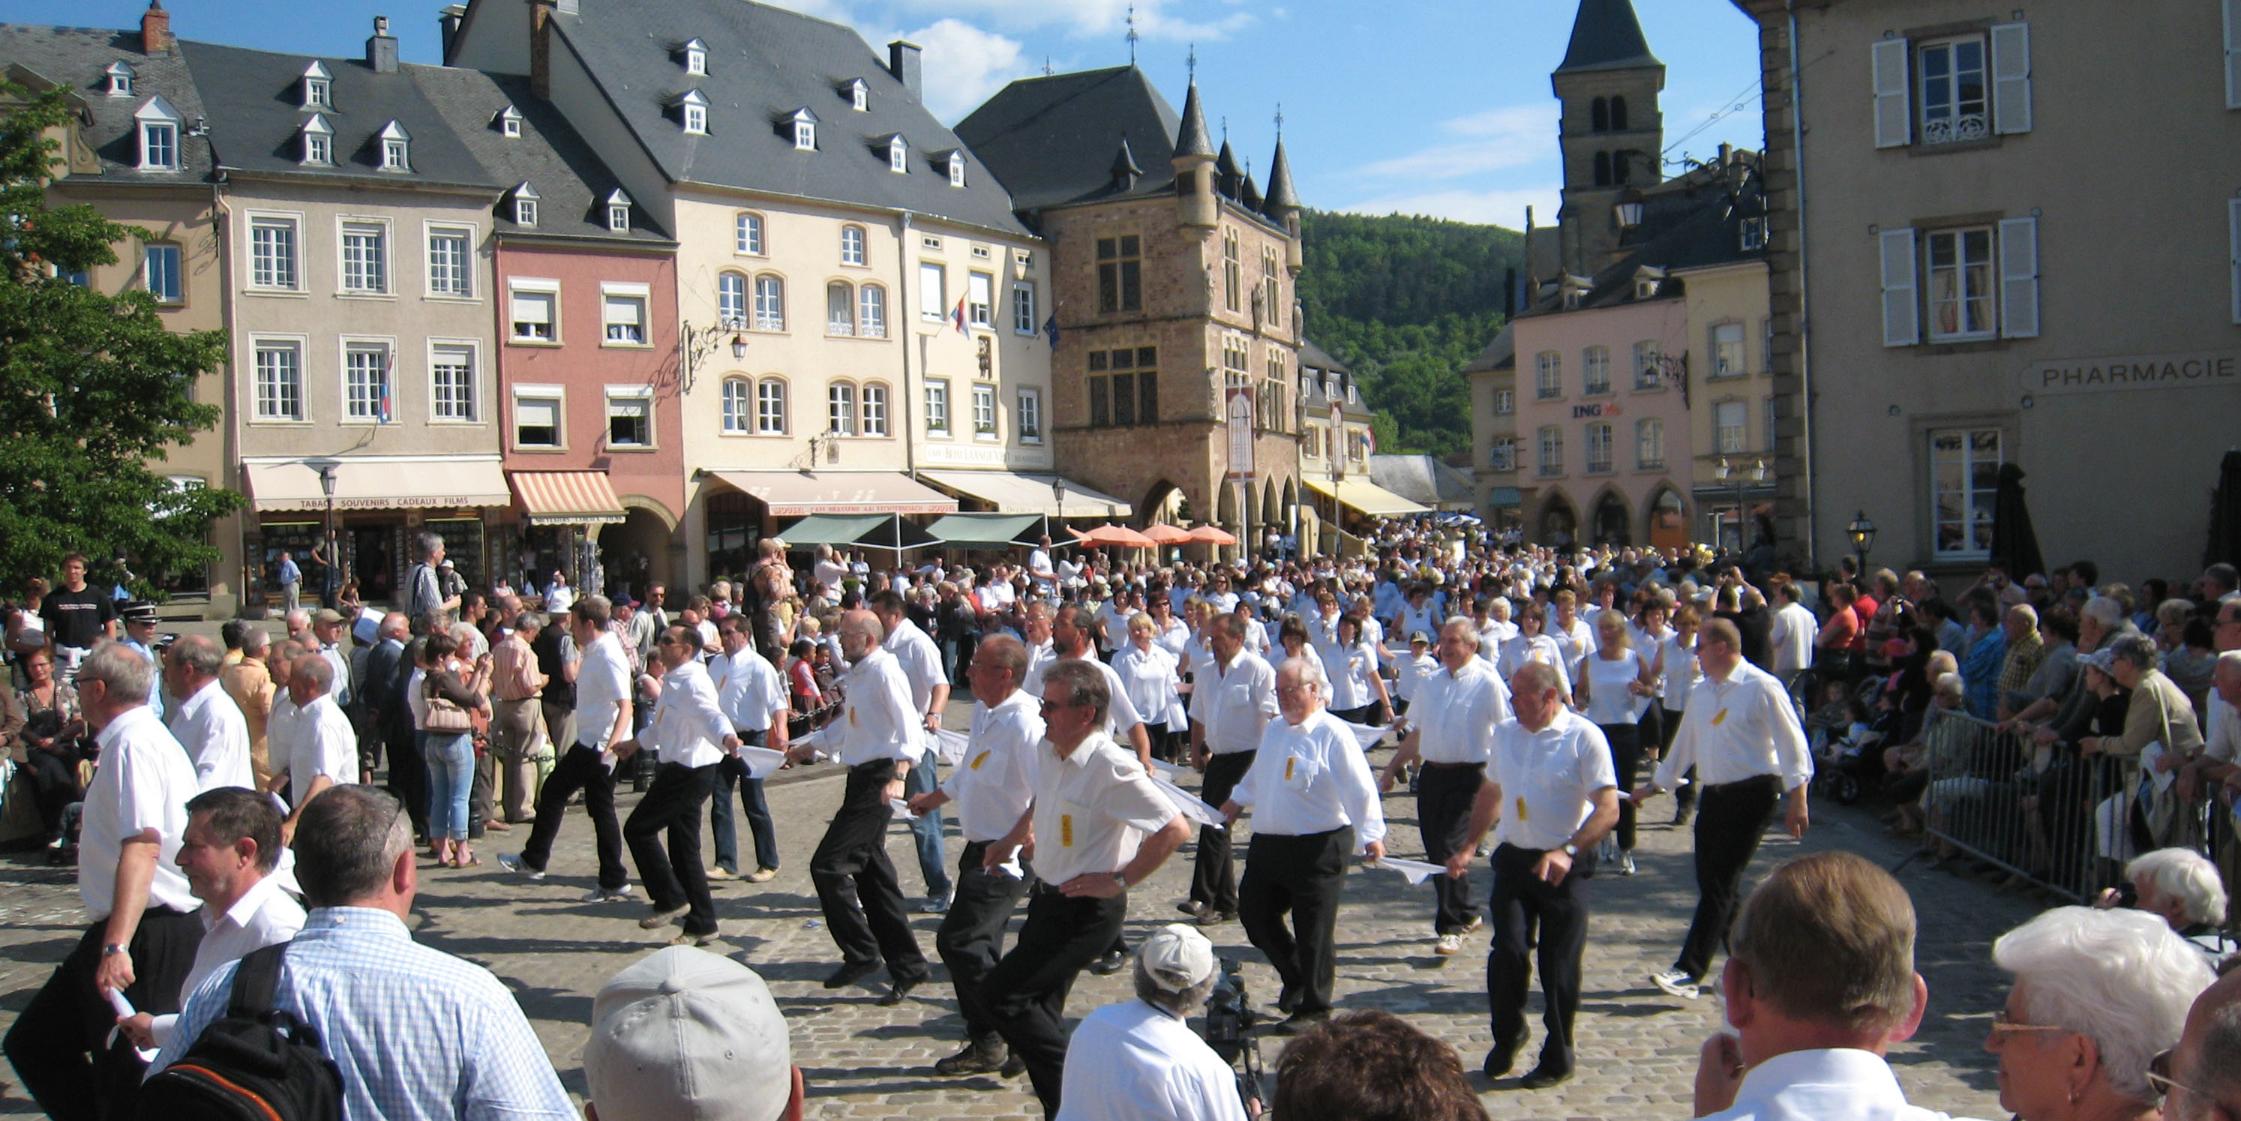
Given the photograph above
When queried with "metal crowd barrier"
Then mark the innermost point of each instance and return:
(2044, 814)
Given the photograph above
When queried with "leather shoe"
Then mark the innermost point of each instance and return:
(1215, 918)
(1298, 1022)
(1500, 1060)
(851, 972)
(1013, 1067)
(1191, 907)
(978, 1057)
(900, 989)
(1110, 963)
(1542, 1077)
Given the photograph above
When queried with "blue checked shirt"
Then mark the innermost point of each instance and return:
(418, 1034)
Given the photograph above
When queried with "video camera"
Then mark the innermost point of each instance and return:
(1231, 1026)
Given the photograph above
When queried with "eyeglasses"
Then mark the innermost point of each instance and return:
(1049, 706)
(2004, 1028)
(2159, 1076)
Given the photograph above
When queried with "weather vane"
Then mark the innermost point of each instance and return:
(1279, 120)
(1047, 71)
(1191, 62)
(1132, 36)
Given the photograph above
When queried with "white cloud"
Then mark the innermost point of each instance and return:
(835, 11)
(1155, 19)
(964, 65)
(1496, 206)
(1494, 140)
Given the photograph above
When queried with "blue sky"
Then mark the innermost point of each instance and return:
(1435, 107)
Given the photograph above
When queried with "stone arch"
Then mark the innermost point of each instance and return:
(1599, 114)
(1602, 169)
(1609, 522)
(1556, 522)
(1154, 505)
(1665, 517)
(1618, 113)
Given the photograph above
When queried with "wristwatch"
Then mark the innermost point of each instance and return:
(1571, 849)
(112, 949)
(1121, 878)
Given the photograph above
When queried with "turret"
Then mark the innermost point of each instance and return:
(1228, 177)
(1282, 205)
(1194, 167)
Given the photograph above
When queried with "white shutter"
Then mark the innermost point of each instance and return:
(2011, 77)
(2233, 223)
(2019, 278)
(1901, 311)
(2233, 54)
(1894, 110)
(532, 308)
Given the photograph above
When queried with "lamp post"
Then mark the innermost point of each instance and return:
(1058, 502)
(327, 478)
(1757, 474)
(1862, 533)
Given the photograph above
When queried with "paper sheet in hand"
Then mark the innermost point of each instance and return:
(1186, 803)
(123, 1009)
(1417, 871)
(1171, 771)
(1365, 735)
(367, 628)
(951, 745)
(2149, 755)
(761, 762)
(902, 809)
(817, 742)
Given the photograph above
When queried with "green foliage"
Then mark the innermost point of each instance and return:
(1407, 302)
(92, 387)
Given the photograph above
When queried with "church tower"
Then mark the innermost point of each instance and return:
(1611, 131)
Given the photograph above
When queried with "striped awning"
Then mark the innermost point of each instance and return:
(566, 497)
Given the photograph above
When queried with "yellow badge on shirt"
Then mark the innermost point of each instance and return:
(1066, 830)
(1288, 761)
(1522, 815)
(1718, 716)
(852, 717)
(978, 760)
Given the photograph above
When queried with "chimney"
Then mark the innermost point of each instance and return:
(381, 48)
(447, 26)
(155, 29)
(1509, 292)
(540, 49)
(902, 62)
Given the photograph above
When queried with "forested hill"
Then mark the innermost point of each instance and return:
(1407, 302)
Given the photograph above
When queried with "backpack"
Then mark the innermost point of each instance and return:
(255, 1063)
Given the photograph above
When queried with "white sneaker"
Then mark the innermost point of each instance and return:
(1449, 945)
(1675, 983)
(935, 905)
(1626, 864)
(512, 862)
(621, 894)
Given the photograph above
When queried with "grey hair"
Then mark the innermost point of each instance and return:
(2123, 979)
(2138, 649)
(2229, 661)
(2025, 612)
(198, 654)
(2185, 875)
(121, 669)
(1083, 685)
(530, 621)
(2103, 610)
(1310, 672)
(1464, 624)
(318, 671)
(255, 639)
(348, 840)
(1180, 1002)
(425, 545)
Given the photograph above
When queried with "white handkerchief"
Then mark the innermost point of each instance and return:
(1365, 735)
(815, 742)
(951, 745)
(1187, 803)
(902, 809)
(1172, 771)
(1417, 871)
(123, 1009)
(762, 762)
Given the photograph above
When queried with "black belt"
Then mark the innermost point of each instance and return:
(1754, 780)
(1431, 766)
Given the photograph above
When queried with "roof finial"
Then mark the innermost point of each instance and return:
(1279, 120)
(1047, 71)
(1132, 36)
(1191, 62)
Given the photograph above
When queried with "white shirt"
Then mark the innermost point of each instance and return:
(877, 719)
(1456, 713)
(1148, 677)
(1609, 701)
(1535, 648)
(1575, 642)
(1791, 634)
(688, 726)
(1493, 634)
(920, 659)
(996, 781)
(1092, 809)
(748, 689)
(1235, 704)
(263, 916)
(602, 687)
(1133, 1062)
(1038, 564)
(1831, 1085)
(1411, 672)
(1349, 670)
(210, 726)
(143, 783)
(1548, 779)
(340, 662)
(1121, 714)
(321, 742)
(1311, 777)
(1678, 673)
(559, 598)
(2223, 742)
(1737, 729)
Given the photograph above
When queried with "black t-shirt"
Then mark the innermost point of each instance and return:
(77, 618)
(547, 648)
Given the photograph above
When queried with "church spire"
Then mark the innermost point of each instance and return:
(1607, 36)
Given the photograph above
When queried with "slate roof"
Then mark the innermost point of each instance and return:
(572, 184)
(1501, 354)
(1282, 195)
(1318, 363)
(764, 63)
(1423, 479)
(1606, 36)
(1688, 222)
(76, 58)
(1051, 140)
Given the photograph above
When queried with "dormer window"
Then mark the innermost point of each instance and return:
(120, 78)
(618, 212)
(696, 56)
(898, 156)
(509, 123)
(318, 142)
(158, 125)
(956, 169)
(859, 95)
(801, 124)
(318, 88)
(692, 112)
(396, 148)
(525, 205)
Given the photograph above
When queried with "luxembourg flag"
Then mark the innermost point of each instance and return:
(388, 392)
(957, 317)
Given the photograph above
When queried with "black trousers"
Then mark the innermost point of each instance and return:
(1027, 989)
(59, 1045)
(1626, 760)
(677, 878)
(856, 882)
(1729, 821)
(408, 773)
(1670, 726)
(579, 769)
(971, 938)
(1444, 793)
(1302, 875)
(1214, 877)
(54, 785)
(1519, 901)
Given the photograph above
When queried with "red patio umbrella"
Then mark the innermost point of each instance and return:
(1116, 536)
(1160, 533)
(1212, 535)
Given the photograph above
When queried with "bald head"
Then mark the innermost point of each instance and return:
(861, 632)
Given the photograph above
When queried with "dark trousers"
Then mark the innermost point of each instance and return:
(59, 1045)
(677, 878)
(972, 933)
(1669, 726)
(1626, 761)
(54, 785)
(1520, 900)
(1214, 877)
(732, 774)
(856, 882)
(579, 769)
(1444, 793)
(1729, 821)
(1302, 875)
(408, 774)
(1027, 989)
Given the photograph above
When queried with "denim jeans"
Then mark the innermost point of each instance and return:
(927, 829)
(733, 775)
(451, 775)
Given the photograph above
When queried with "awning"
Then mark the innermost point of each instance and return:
(1366, 497)
(984, 530)
(427, 482)
(1013, 493)
(567, 497)
(1503, 497)
(790, 494)
(870, 531)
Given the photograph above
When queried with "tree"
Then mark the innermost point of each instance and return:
(93, 389)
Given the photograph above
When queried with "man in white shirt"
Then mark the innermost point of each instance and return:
(602, 722)
(321, 748)
(327, 627)
(689, 736)
(1314, 805)
(206, 721)
(992, 789)
(1097, 825)
(1231, 705)
(753, 698)
(1039, 570)
(144, 932)
(1820, 984)
(1741, 733)
(1791, 634)
(229, 850)
(881, 738)
(1071, 640)
(921, 662)
(1552, 785)
(1452, 730)
(1139, 1058)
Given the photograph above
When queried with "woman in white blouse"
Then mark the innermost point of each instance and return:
(1677, 674)
(1357, 691)
(1150, 677)
(1531, 645)
(1614, 689)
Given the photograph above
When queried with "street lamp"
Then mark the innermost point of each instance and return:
(1862, 533)
(1757, 474)
(327, 478)
(1058, 501)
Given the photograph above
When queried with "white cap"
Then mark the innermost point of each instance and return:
(1178, 957)
(686, 1035)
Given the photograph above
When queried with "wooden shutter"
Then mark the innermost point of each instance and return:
(2011, 77)
(1902, 311)
(1894, 109)
(2233, 54)
(2019, 278)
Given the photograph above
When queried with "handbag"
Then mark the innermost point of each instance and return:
(444, 716)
